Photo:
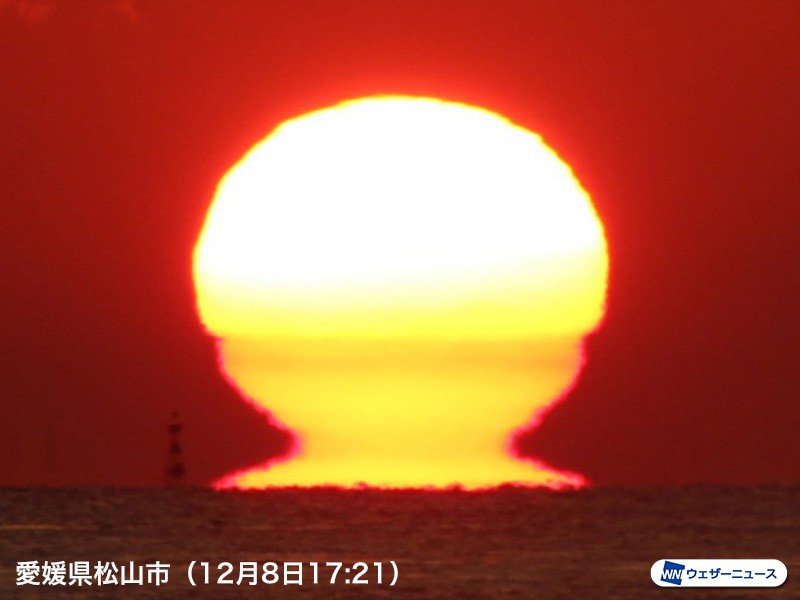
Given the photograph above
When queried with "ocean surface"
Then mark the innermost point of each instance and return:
(507, 543)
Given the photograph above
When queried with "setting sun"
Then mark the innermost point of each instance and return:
(402, 282)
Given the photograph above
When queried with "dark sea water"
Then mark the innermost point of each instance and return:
(507, 543)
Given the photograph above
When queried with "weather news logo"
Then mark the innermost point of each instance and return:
(672, 572)
(718, 573)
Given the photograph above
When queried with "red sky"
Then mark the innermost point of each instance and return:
(681, 119)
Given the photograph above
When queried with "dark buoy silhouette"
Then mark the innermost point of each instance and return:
(176, 470)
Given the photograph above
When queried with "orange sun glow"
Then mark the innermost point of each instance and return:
(403, 283)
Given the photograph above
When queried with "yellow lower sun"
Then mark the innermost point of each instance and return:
(402, 282)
